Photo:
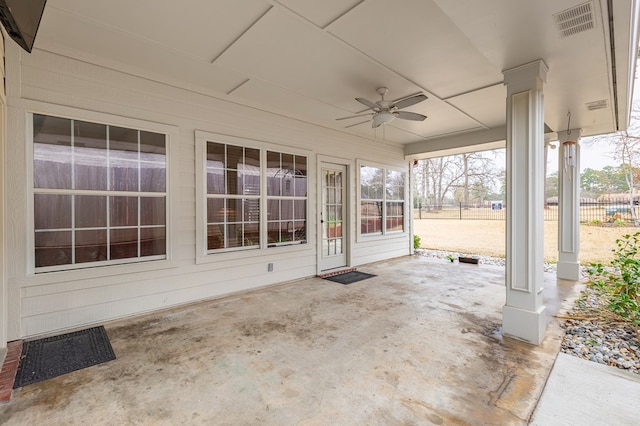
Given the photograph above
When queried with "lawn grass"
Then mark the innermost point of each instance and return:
(487, 237)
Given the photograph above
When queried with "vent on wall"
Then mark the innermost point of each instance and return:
(575, 20)
(601, 104)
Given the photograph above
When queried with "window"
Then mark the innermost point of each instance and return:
(286, 198)
(243, 182)
(99, 194)
(381, 201)
(233, 196)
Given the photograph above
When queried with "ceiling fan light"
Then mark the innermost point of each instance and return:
(382, 117)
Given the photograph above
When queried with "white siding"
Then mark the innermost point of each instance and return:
(50, 84)
(3, 276)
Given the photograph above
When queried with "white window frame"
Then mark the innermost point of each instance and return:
(203, 254)
(90, 270)
(384, 234)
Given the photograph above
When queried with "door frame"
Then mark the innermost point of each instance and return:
(348, 211)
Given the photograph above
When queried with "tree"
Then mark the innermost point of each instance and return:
(466, 178)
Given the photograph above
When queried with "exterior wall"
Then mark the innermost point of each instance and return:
(46, 83)
(3, 251)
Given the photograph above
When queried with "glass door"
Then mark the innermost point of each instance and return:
(332, 217)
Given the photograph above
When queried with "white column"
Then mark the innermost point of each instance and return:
(523, 314)
(569, 205)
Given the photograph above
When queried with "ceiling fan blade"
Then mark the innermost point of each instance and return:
(354, 116)
(368, 103)
(357, 124)
(412, 100)
(406, 115)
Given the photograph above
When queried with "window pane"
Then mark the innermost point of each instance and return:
(395, 185)
(215, 237)
(123, 211)
(371, 217)
(234, 235)
(91, 246)
(215, 165)
(235, 157)
(371, 182)
(124, 243)
(152, 211)
(252, 210)
(300, 209)
(274, 173)
(234, 186)
(300, 173)
(273, 210)
(152, 241)
(234, 210)
(251, 234)
(123, 159)
(91, 211)
(286, 210)
(273, 232)
(215, 210)
(52, 211)
(252, 158)
(287, 174)
(153, 172)
(215, 155)
(51, 152)
(52, 248)
(90, 155)
(300, 230)
(395, 217)
(215, 181)
(250, 176)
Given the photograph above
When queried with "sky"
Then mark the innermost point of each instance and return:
(594, 155)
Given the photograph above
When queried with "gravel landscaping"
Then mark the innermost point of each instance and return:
(595, 334)
(591, 332)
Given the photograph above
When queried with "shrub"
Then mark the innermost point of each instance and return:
(416, 242)
(620, 284)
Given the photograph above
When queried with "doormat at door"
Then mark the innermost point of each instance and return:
(50, 357)
(349, 277)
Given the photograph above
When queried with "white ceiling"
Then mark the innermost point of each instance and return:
(310, 59)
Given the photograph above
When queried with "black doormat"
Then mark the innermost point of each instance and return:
(50, 357)
(349, 277)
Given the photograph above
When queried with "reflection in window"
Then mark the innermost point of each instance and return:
(107, 187)
(286, 198)
(234, 196)
(382, 202)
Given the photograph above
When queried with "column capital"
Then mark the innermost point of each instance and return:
(527, 75)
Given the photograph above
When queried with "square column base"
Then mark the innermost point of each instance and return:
(568, 270)
(524, 325)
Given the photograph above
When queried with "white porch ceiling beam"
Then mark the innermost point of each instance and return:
(481, 140)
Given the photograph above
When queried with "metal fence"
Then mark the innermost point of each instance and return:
(594, 213)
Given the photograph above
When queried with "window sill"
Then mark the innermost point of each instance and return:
(391, 236)
(226, 256)
(102, 271)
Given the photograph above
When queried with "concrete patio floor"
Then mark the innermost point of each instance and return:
(418, 344)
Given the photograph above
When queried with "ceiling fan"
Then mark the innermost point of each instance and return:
(383, 111)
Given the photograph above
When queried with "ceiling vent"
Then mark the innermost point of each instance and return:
(601, 104)
(575, 20)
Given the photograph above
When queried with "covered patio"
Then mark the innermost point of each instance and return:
(420, 343)
(181, 171)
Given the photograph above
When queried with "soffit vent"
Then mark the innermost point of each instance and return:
(575, 20)
(601, 104)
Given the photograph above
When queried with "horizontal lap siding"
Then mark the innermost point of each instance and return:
(50, 304)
